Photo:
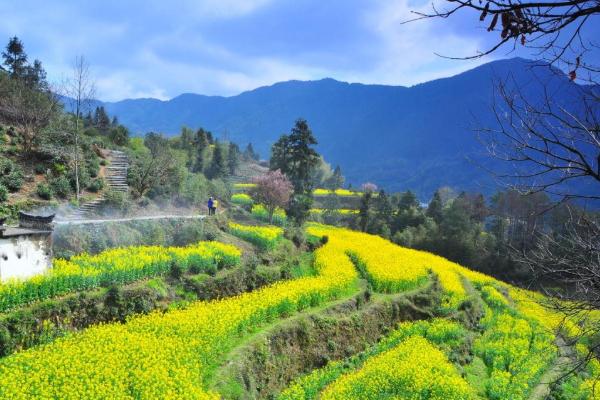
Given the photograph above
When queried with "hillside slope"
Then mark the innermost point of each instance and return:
(415, 138)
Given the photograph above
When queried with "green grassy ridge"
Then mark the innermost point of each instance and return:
(475, 369)
(46, 320)
(249, 331)
(264, 364)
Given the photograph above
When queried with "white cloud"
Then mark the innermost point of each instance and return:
(164, 51)
(408, 51)
(225, 8)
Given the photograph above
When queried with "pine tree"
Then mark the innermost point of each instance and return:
(250, 154)
(435, 208)
(407, 201)
(218, 166)
(337, 179)
(101, 119)
(296, 157)
(384, 208)
(35, 77)
(15, 58)
(200, 146)
(233, 158)
(88, 120)
(364, 213)
(115, 122)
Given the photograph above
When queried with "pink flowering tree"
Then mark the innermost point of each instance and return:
(369, 187)
(273, 190)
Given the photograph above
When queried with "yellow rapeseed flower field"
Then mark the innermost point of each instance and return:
(415, 369)
(173, 354)
(114, 266)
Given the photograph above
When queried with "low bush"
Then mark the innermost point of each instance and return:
(61, 186)
(96, 185)
(11, 175)
(44, 191)
(3, 193)
(40, 168)
(93, 166)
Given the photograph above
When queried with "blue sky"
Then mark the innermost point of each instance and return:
(223, 47)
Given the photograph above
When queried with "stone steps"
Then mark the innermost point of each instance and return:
(116, 180)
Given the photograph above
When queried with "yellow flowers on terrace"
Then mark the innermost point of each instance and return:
(343, 211)
(391, 268)
(175, 354)
(260, 212)
(241, 199)
(336, 192)
(121, 265)
(440, 332)
(166, 355)
(244, 185)
(413, 370)
(264, 237)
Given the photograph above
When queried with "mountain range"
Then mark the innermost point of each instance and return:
(418, 138)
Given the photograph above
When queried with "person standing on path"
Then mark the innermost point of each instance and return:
(210, 205)
(215, 205)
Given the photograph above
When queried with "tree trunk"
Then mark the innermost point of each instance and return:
(271, 212)
(77, 155)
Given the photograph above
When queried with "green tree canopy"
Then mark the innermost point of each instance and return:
(295, 156)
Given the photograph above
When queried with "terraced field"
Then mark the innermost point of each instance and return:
(332, 335)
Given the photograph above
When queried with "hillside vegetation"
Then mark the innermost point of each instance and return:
(475, 337)
(415, 138)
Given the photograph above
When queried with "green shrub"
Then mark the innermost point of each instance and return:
(3, 193)
(61, 186)
(44, 191)
(59, 169)
(117, 200)
(11, 175)
(40, 168)
(96, 185)
(93, 167)
(84, 178)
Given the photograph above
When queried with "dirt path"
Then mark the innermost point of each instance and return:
(560, 366)
(150, 217)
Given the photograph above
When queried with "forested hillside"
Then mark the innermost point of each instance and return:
(417, 138)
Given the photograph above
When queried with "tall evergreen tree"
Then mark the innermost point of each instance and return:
(295, 156)
(337, 179)
(364, 213)
(250, 154)
(102, 120)
(88, 120)
(35, 77)
(407, 200)
(15, 58)
(218, 165)
(200, 144)
(233, 158)
(435, 208)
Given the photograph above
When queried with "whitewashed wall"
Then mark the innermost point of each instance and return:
(24, 256)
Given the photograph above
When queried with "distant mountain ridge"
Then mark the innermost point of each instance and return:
(417, 138)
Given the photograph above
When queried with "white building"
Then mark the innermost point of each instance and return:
(26, 250)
